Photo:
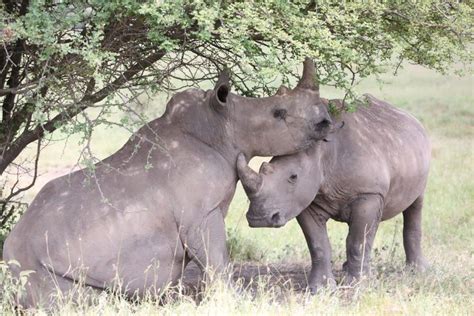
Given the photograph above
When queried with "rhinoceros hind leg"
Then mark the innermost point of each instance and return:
(412, 235)
(364, 220)
(206, 244)
(46, 289)
(313, 223)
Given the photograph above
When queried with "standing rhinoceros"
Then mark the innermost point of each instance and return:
(142, 225)
(370, 170)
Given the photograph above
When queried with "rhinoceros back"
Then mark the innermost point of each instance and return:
(397, 151)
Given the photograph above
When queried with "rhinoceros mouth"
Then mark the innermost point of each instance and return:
(274, 219)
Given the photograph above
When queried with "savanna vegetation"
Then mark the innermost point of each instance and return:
(444, 104)
(76, 93)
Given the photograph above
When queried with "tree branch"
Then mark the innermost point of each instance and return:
(30, 136)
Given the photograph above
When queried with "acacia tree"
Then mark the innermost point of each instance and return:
(61, 57)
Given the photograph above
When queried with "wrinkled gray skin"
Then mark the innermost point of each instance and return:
(144, 225)
(371, 169)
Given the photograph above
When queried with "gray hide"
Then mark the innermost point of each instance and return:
(373, 168)
(142, 225)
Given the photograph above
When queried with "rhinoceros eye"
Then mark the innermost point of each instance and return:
(293, 178)
(279, 114)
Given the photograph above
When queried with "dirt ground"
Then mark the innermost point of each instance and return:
(285, 276)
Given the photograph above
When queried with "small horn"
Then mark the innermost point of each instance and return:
(265, 168)
(282, 90)
(308, 78)
(251, 181)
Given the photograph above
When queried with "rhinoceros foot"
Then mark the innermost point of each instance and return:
(418, 265)
(329, 284)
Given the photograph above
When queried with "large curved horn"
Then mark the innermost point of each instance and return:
(251, 181)
(308, 79)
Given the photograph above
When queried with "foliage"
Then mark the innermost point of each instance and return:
(11, 287)
(60, 58)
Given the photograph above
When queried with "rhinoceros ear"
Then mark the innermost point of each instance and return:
(308, 79)
(222, 88)
(282, 90)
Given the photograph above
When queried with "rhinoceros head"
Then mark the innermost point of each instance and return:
(281, 190)
(285, 123)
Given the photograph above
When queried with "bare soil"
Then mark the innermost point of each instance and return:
(248, 274)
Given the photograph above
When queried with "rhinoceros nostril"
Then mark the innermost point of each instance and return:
(322, 125)
(280, 114)
(276, 217)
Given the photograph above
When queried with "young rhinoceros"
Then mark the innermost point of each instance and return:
(370, 170)
(142, 225)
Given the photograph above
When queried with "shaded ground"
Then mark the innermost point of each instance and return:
(289, 276)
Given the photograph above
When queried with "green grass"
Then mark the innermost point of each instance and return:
(445, 105)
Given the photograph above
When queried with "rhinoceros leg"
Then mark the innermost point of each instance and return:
(46, 289)
(313, 223)
(38, 289)
(42, 284)
(412, 235)
(206, 243)
(364, 219)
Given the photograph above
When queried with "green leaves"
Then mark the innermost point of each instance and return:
(71, 55)
(261, 40)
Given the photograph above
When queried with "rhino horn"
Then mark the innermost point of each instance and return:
(308, 79)
(282, 90)
(222, 88)
(251, 181)
(266, 168)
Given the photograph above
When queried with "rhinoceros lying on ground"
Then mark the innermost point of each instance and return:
(143, 225)
(370, 170)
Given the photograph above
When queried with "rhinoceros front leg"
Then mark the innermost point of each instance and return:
(365, 214)
(206, 244)
(313, 223)
(412, 235)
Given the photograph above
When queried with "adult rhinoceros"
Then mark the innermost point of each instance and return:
(370, 170)
(142, 225)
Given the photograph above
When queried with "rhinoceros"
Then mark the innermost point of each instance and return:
(159, 201)
(373, 168)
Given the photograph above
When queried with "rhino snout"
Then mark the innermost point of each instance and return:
(322, 128)
(323, 125)
(277, 220)
(273, 220)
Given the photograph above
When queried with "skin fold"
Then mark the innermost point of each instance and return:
(160, 201)
(369, 170)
